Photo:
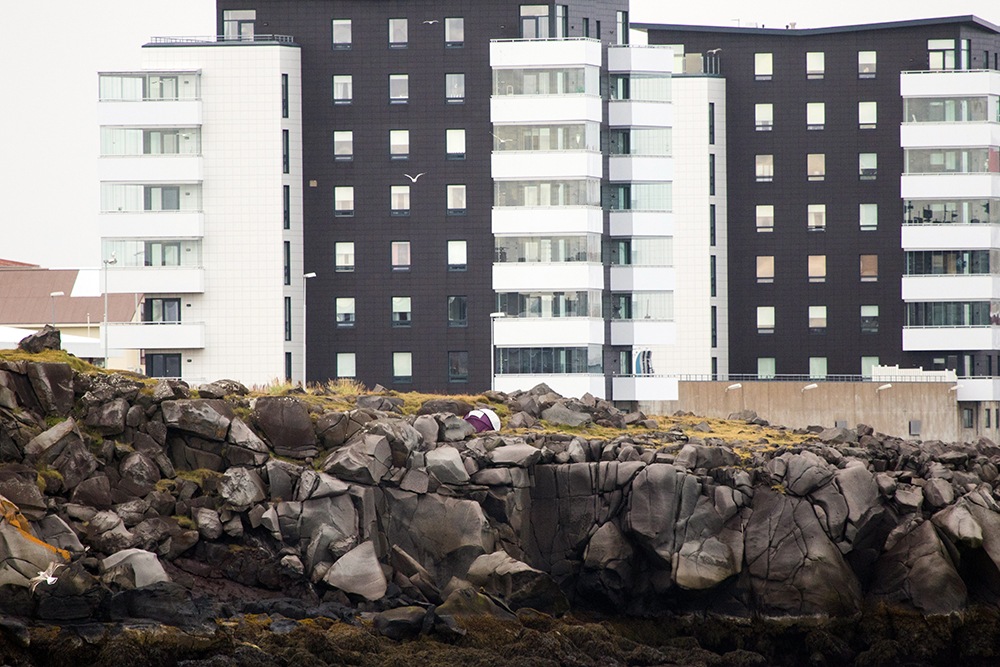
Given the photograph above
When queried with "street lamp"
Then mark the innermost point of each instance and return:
(493, 355)
(305, 282)
(107, 262)
(53, 296)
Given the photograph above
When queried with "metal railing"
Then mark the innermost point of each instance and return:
(805, 377)
(213, 39)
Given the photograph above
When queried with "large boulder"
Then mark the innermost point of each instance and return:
(47, 338)
(23, 556)
(243, 447)
(53, 386)
(108, 418)
(453, 405)
(919, 571)
(241, 488)
(445, 463)
(366, 459)
(518, 583)
(206, 418)
(135, 566)
(48, 444)
(359, 572)
(286, 424)
(561, 415)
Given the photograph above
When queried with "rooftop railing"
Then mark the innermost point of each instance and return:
(214, 39)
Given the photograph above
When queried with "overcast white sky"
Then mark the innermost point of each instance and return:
(51, 53)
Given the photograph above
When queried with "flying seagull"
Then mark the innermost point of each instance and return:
(431, 22)
(502, 141)
(414, 178)
(46, 576)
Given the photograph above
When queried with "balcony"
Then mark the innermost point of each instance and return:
(539, 276)
(978, 389)
(946, 287)
(152, 224)
(933, 339)
(545, 108)
(643, 332)
(528, 165)
(950, 237)
(631, 278)
(533, 53)
(551, 220)
(150, 113)
(644, 388)
(946, 83)
(944, 135)
(657, 59)
(623, 113)
(156, 280)
(950, 186)
(156, 336)
(642, 223)
(150, 168)
(576, 384)
(548, 331)
(640, 168)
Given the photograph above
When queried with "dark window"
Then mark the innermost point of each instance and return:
(715, 328)
(968, 419)
(287, 198)
(161, 198)
(622, 28)
(288, 318)
(711, 122)
(711, 224)
(711, 174)
(288, 262)
(712, 277)
(458, 311)
(562, 21)
(535, 22)
(284, 96)
(458, 367)
(161, 311)
(586, 27)
(288, 366)
(163, 365)
(285, 161)
(161, 253)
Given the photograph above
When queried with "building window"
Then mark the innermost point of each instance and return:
(711, 225)
(454, 85)
(401, 311)
(399, 88)
(869, 319)
(534, 21)
(402, 367)
(817, 319)
(815, 115)
(968, 418)
(288, 318)
(817, 268)
(454, 141)
(285, 159)
(345, 312)
(987, 411)
(160, 198)
(765, 319)
(534, 360)
(286, 196)
(586, 27)
(867, 367)
(815, 64)
(161, 311)
(288, 366)
(762, 66)
(715, 334)
(765, 218)
(343, 200)
(458, 367)
(817, 368)
(867, 166)
(711, 174)
(454, 32)
(399, 144)
(633, 86)
(288, 262)
(343, 146)
(765, 368)
(765, 168)
(947, 262)
(711, 122)
(343, 88)
(869, 268)
(397, 33)
(458, 315)
(763, 117)
(346, 365)
(816, 166)
(343, 256)
(816, 214)
(284, 96)
(622, 28)
(238, 24)
(400, 255)
(160, 365)
(456, 200)
(940, 54)
(867, 115)
(711, 275)
(765, 268)
(341, 33)
(868, 216)
(457, 255)
(562, 21)
(866, 64)
(948, 314)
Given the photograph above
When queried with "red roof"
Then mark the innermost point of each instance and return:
(10, 262)
(25, 298)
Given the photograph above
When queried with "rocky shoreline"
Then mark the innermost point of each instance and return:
(156, 523)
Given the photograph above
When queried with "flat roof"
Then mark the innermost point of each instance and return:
(861, 27)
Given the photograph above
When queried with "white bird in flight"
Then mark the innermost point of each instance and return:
(430, 22)
(46, 576)
(414, 178)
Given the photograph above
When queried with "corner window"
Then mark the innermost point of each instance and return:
(869, 319)
(817, 268)
(765, 319)
(343, 257)
(399, 88)
(817, 368)
(345, 312)
(868, 216)
(343, 201)
(866, 64)
(867, 166)
(869, 268)
(341, 33)
(397, 33)
(458, 311)
(763, 117)
(343, 88)
(399, 199)
(815, 64)
(762, 66)
(765, 168)
(343, 146)
(456, 200)
(867, 115)
(816, 166)
(346, 365)
(454, 85)
(765, 218)
(458, 367)
(817, 319)
(399, 144)
(457, 255)
(454, 32)
(400, 255)
(815, 115)
(454, 141)
(402, 367)
(816, 214)
(765, 368)
(400, 311)
(765, 268)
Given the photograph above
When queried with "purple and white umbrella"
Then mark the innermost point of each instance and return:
(483, 420)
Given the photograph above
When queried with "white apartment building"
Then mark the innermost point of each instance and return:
(201, 207)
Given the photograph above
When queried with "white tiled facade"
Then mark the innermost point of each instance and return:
(229, 224)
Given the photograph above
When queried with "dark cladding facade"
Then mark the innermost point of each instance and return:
(406, 88)
(817, 137)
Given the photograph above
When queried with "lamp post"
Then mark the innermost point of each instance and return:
(493, 355)
(305, 283)
(107, 262)
(53, 296)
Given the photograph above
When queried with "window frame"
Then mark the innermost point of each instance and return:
(344, 356)
(340, 193)
(347, 136)
(393, 25)
(764, 168)
(399, 99)
(347, 79)
(454, 43)
(454, 266)
(764, 208)
(869, 273)
(870, 212)
(454, 80)
(765, 320)
(458, 305)
(815, 115)
(762, 124)
(816, 268)
(458, 187)
(399, 318)
(396, 253)
(457, 361)
(872, 172)
(763, 66)
(813, 210)
(448, 140)
(812, 71)
(340, 45)
(399, 138)
(765, 269)
(816, 167)
(397, 193)
(817, 320)
(343, 249)
(863, 72)
(402, 361)
(863, 109)
(345, 306)
(869, 321)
